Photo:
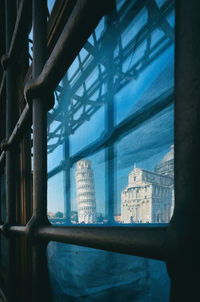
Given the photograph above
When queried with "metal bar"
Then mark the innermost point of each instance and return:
(40, 274)
(10, 117)
(2, 296)
(39, 108)
(109, 120)
(10, 156)
(140, 240)
(21, 28)
(183, 246)
(40, 290)
(21, 230)
(2, 88)
(2, 158)
(76, 31)
(66, 155)
(18, 132)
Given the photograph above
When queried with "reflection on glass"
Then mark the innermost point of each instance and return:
(111, 128)
(86, 274)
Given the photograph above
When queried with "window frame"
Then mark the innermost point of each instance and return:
(152, 241)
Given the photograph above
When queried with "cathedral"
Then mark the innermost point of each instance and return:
(149, 196)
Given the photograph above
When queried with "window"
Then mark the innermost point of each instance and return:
(87, 150)
(108, 87)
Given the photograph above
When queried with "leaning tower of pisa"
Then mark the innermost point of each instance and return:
(85, 192)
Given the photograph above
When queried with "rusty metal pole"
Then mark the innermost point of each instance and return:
(183, 248)
(109, 120)
(39, 107)
(40, 290)
(10, 8)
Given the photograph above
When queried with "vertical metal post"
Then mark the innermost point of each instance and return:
(67, 201)
(109, 152)
(40, 290)
(10, 115)
(39, 114)
(66, 154)
(183, 249)
(10, 155)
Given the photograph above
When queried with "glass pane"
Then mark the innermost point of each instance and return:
(143, 56)
(113, 120)
(85, 274)
(145, 171)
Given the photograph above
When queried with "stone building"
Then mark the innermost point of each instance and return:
(149, 195)
(85, 192)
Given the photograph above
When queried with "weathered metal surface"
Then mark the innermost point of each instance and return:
(141, 240)
(183, 242)
(10, 156)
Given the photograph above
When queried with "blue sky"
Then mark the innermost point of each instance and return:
(144, 146)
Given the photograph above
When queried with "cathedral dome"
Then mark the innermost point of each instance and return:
(166, 166)
(169, 155)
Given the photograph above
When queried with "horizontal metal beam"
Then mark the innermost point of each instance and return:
(17, 229)
(141, 240)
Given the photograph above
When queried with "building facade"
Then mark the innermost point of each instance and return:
(85, 192)
(149, 196)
